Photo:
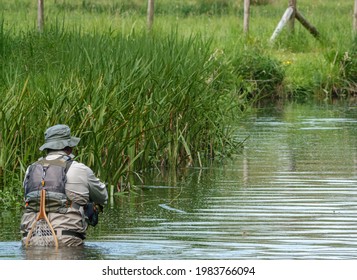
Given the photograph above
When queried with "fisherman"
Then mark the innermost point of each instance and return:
(73, 192)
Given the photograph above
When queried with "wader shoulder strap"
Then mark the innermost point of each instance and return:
(68, 165)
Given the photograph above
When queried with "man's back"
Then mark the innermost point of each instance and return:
(81, 187)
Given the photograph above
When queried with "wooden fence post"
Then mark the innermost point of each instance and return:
(246, 16)
(355, 19)
(292, 4)
(40, 15)
(285, 18)
(150, 14)
(312, 29)
(289, 16)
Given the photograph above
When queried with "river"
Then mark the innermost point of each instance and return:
(290, 194)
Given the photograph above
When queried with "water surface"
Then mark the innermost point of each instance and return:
(291, 194)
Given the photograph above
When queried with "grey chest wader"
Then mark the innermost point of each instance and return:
(45, 177)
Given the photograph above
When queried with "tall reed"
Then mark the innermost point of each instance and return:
(137, 102)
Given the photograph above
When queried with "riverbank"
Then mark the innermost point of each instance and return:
(322, 69)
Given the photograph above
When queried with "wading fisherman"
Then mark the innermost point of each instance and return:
(72, 189)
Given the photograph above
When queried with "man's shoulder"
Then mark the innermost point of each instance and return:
(79, 165)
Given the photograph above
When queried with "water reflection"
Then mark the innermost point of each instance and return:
(291, 194)
(85, 252)
(14, 250)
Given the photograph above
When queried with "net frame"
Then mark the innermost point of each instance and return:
(42, 232)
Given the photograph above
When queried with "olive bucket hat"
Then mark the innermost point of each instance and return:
(58, 137)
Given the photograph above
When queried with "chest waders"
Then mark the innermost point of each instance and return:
(45, 180)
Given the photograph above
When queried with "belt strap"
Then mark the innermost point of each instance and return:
(74, 233)
(66, 232)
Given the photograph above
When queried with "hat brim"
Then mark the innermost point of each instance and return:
(60, 144)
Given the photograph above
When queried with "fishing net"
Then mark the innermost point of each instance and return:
(42, 235)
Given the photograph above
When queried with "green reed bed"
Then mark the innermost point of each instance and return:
(138, 102)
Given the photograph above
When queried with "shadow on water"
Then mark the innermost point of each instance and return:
(291, 194)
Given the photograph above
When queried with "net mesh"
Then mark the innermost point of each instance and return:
(42, 235)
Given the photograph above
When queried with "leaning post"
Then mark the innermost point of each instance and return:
(286, 17)
(312, 29)
(289, 17)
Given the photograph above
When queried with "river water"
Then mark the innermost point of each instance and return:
(291, 194)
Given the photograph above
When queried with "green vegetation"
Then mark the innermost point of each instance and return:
(137, 101)
(165, 98)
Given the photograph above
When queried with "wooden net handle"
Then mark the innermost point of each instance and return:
(42, 216)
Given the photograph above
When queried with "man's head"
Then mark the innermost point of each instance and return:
(58, 137)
